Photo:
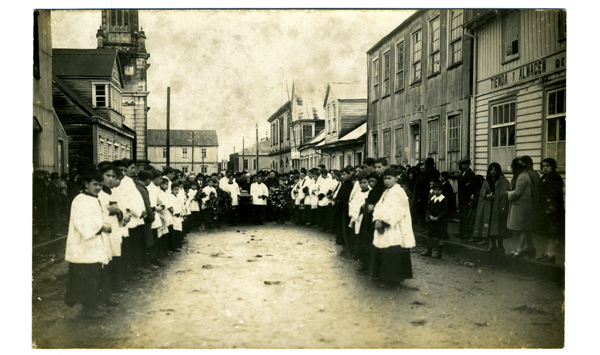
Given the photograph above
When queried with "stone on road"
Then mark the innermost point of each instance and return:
(304, 294)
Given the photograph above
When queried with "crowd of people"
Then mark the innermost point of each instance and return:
(124, 223)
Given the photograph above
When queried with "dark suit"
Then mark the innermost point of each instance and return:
(147, 240)
(464, 197)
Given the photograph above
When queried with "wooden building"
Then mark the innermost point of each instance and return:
(87, 97)
(120, 30)
(296, 122)
(419, 91)
(191, 151)
(520, 71)
(246, 160)
(310, 155)
(345, 107)
(50, 141)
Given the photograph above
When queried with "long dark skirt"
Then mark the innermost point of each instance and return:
(391, 264)
(86, 283)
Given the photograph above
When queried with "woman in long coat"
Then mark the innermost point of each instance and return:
(492, 210)
(551, 210)
(520, 213)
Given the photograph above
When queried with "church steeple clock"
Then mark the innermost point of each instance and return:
(120, 30)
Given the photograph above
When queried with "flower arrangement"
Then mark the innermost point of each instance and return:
(219, 204)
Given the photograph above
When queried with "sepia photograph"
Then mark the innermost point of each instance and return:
(306, 178)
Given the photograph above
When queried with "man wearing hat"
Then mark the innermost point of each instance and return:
(464, 196)
(422, 188)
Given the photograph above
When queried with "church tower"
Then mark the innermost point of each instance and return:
(120, 30)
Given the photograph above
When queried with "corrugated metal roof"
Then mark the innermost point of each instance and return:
(356, 134)
(83, 62)
(158, 137)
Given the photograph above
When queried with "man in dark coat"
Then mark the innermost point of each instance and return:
(422, 188)
(464, 196)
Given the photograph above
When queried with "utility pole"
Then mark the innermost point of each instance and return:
(243, 153)
(257, 148)
(192, 151)
(168, 126)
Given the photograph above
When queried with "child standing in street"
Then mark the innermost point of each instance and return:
(87, 248)
(437, 211)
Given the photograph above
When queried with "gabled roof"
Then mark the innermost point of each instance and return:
(73, 95)
(277, 113)
(180, 137)
(84, 62)
(263, 148)
(346, 91)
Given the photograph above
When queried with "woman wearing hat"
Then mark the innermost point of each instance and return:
(492, 210)
(520, 213)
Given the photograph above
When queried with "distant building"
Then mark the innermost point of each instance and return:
(192, 151)
(246, 160)
(50, 141)
(293, 124)
(419, 91)
(310, 155)
(520, 86)
(87, 86)
(345, 108)
(120, 30)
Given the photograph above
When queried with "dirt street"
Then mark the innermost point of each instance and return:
(283, 286)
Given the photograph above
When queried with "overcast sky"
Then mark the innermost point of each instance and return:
(227, 69)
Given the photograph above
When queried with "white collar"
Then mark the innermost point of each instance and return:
(439, 198)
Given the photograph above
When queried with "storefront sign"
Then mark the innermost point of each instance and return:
(526, 72)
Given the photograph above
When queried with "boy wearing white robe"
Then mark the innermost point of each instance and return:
(194, 206)
(207, 192)
(297, 196)
(259, 193)
(133, 203)
(157, 231)
(176, 230)
(232, 187)
(87, 248)
(314, 198)
(393, 234)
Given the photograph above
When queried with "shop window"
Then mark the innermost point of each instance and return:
(398, 143)
(386, 144)
(453, 135)
(433, 135)
(556, 127)
(503, 133)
